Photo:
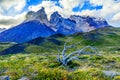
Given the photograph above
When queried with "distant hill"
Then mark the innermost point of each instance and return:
(104, 39)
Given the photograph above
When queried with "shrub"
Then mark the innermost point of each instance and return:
(116, 78)
(51, 74)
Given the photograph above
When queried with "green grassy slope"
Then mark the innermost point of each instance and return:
(106, 39)
(39, 61)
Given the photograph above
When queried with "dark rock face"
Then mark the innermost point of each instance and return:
(4, 78)
(13, 50)
(67, 25)
(61, 25)
(87, 23)
(20, 48)
(39, 15)
(75, 23)
(39, 41)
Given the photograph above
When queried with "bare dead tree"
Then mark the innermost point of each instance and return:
(64, 58)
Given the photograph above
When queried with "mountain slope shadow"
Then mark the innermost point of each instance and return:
(40, 40)
(17, 48)
(20, 48)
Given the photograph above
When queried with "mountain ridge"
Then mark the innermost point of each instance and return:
(37, 25)
(25, 32)
(98, 38)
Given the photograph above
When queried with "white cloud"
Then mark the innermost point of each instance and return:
(68, 6)
(10, 12)
(110, 11)
(116, 17)
(1, 10)
(50, 7)
(16, 5)
(20, 4)
(116, 20)
(9, 21)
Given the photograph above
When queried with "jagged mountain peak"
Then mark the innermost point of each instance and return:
(83, 23)
(55, 18)
(74, 23)
(37, 25)
(90, 20)
(87, 17)
(42, 10)
(40, 15)
(55, 14)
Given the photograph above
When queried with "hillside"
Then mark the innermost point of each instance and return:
(107, 37)
(25, 32)
(38, 57)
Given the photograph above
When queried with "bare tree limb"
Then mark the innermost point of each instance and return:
(65, 59)
(72, 58)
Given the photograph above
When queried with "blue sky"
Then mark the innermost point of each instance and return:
(87, 5)
(14, 13)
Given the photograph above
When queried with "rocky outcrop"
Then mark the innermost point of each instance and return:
(40, 15)
(4, 78)
(24, 78)
(111, 73)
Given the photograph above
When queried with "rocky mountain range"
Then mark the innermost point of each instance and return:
(37, 25)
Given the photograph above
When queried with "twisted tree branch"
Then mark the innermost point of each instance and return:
(65, 59)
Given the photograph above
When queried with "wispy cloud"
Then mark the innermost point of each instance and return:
(16, 5)
(10, 21)
(10, 12)
(14, 9)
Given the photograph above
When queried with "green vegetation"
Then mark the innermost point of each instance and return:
(38, 62)
(4, 46)
(117, 78)
(45, 67)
